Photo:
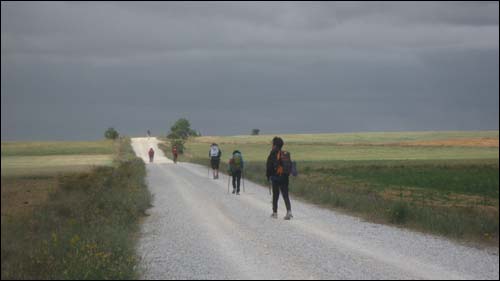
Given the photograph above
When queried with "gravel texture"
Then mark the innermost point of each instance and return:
(196, 230)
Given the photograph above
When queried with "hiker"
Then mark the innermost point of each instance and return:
(279, 167)
(174, 153)
(234, 169)
(151, 154)
(215, 153)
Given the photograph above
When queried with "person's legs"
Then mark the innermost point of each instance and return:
(234, 183)
(286, 198)
(238, 180)
(214, 167)
(276, 195)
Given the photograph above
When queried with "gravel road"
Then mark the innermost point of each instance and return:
(196, 230)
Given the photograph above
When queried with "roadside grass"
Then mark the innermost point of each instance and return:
(446, 190)
(84, 226)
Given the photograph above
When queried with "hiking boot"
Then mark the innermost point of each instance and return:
(238, 193)
(234, 191)
(274, 215)
(288, 216)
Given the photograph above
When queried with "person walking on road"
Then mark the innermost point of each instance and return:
(214, 154)
(174, 153)
(151, 154)
(278, 170)
(235, 168)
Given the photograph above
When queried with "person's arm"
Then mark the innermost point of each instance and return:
(269, 166)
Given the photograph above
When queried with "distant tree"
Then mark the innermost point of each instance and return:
(181, 130)
(255, 132)
(111, 134)
(179, 133)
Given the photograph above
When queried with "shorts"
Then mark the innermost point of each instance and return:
(214, 161)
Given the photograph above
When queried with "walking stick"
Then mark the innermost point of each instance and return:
(208, 169)
(243, 175)
(228, 177)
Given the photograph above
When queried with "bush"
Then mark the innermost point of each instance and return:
(111, 134)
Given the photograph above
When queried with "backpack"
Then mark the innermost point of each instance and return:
(214, 151)
(284, 163)
(174, 150)
(235, 162)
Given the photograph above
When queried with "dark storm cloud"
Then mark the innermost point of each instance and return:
(70, 69)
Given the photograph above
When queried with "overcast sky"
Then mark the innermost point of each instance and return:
(69, 70)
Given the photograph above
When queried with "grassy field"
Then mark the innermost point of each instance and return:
(71, 212)
(57, 148)
(45, 159)
(437, 182)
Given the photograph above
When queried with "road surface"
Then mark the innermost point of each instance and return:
(196, 230)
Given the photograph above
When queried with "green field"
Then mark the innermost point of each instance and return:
(353, 138)
(438, 182)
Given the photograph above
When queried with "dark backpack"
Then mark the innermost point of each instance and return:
(284, 163)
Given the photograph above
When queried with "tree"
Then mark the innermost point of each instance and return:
(255, 132)
(181, 129)
(111, 134)
(179, 132)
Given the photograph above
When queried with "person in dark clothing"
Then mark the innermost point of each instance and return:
(174, 153)
(235, 169)
(151, 154)
(214, 154)
(278, 178)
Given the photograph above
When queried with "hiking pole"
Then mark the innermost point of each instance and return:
(228, 177)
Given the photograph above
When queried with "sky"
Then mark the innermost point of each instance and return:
(70, 70)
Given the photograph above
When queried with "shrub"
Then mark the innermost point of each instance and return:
(111, 134)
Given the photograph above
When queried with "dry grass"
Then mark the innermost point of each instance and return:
(20, 196)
